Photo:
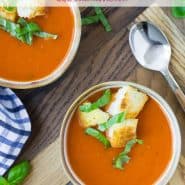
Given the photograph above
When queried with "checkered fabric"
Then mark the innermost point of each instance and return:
(15, 128)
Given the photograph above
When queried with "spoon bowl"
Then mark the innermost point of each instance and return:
(152, 50)
(150, 46)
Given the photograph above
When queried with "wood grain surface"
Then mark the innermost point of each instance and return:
(101, 57)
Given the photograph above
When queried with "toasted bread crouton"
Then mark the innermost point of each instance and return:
(30, 12)
(8, 14)
(93, 118)
(114, 107)
(119, 134)
(30, 8)
(127, 99)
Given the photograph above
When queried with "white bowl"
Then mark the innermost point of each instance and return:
(61, 68)
(173, 123)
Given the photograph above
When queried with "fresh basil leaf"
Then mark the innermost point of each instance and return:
(118, 163)
(27, 31)
(130, 144)
(90, 20)
(28, 38)
(3, 181)
(29, 28)
(18, 173)
(22, 21)
(114, 120)
(9, 26)
(101, 102)
(99, 136)
(45, 35)
(140, 141)
(12, 28)
(36, 30)
(123, 157)
(99, 17)
(10, 9)
(23, 30)
(178, 12)
(103, 19)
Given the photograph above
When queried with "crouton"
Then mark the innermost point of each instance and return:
(30, 8)
(8, 13)
(93, 118)
(119, 134)
(127, 99)
(30, 12)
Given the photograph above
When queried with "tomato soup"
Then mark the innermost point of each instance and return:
(92, 163)
(21, 62)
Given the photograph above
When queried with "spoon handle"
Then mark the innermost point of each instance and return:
(175, 87)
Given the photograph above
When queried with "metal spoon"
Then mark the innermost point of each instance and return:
(152, 50)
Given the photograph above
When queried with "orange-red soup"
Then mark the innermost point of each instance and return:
(21, 62)
(92, 163)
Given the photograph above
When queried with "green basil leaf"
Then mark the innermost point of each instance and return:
(118, 163)
(23, 30)
(12, 28)
(18, 173)
(45, 35)
(3, 181)
(90, 20)
(28, 38)
(178, 12)
(101, 102)
(9, 26)
(10, 9)
(35, 29)
(103, 19)
(29, 28)
(24, 38)
(130, 144)
(123, 157)
(22, 22)
(99, 136)
(114, 120)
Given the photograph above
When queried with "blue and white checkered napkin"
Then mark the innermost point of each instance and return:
(15, 128)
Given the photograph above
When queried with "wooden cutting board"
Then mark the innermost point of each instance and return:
(47, 168)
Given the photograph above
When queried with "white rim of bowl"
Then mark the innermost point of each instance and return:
(173, 123)
(62, 67)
